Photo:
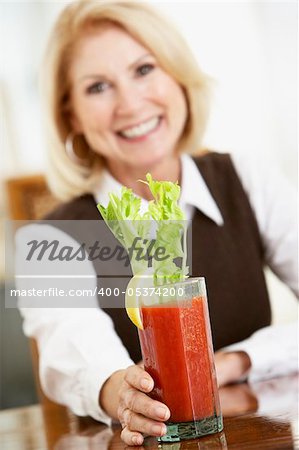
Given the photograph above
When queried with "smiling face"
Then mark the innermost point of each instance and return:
(129, 109)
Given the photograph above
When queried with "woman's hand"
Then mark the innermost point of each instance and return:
(124, 396)
(136, 411)
(231, 367)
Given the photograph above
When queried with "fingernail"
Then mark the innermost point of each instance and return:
(159, 429)
(145, 383)
(161, 412)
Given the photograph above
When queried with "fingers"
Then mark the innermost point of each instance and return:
(137, 422)
(138, 378)
(140, 403)
(131, 438)
(221, 368)
(138, 413)
(231, 366)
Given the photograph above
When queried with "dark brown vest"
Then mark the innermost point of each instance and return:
(230, 257)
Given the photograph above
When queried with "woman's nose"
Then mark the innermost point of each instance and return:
(129, 99)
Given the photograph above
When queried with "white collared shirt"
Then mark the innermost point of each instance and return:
(73, 343)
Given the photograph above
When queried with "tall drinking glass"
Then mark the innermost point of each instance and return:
(177, 350)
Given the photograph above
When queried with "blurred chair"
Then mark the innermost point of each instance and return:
(29, 198)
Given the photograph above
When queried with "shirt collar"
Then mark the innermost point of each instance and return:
(194, 191)
(109, 184)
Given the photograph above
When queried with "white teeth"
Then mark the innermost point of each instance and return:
(142, 129)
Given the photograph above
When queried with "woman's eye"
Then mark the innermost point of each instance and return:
(97, 87)
(145, 69)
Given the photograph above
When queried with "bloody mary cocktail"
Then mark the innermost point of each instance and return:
(177, 351)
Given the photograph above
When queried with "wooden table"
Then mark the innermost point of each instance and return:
(263, 416)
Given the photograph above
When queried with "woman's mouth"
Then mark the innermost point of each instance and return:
(142, 130)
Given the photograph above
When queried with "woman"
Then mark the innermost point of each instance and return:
(125, 98)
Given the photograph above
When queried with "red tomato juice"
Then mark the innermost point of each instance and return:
(177, 352)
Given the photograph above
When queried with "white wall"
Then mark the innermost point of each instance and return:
(249, 48)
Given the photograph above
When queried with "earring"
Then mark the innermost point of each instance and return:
(69, 149)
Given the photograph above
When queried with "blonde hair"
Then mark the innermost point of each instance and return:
(68, 179)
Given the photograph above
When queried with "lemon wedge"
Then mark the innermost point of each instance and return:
(133, 296)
